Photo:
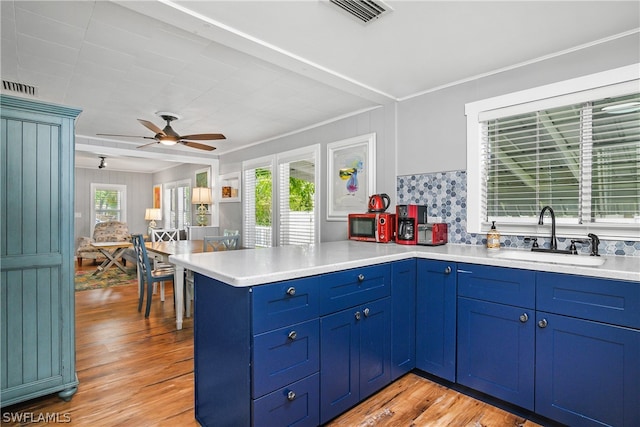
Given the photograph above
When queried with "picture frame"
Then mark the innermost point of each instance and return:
(230, 187)
(351, 176)
(157, 196)
(202, 178)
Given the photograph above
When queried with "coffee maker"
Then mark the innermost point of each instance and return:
(407, 219)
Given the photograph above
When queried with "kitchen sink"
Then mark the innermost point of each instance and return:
(522, 255)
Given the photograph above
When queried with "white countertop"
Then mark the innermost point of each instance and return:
(250, 267)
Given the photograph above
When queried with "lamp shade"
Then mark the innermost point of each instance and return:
(201, 195)
(152, 214)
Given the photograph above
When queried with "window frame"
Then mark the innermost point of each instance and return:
(123, 205)
(273, 162)
(607, 83)
(167, 202)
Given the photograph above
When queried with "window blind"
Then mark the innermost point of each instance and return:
(296, 196)
(257, 205)
(582, 159)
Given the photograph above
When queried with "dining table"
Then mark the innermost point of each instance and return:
(161, 251)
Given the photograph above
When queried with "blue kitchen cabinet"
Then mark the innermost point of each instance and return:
(37, 331)
(496, 332)
(355, 356)
(436, 318)
(403, 317)
(256, 353)
(588, 350)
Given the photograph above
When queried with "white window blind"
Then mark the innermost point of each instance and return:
(582, 159)
(257, 203)
(297, 177)
(177, 204)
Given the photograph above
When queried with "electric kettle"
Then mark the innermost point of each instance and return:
(379, 202)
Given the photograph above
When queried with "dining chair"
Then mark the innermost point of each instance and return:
(217, 243)
(163, 235)
(168, 235)
(148, 276)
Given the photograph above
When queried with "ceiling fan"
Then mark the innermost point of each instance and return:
(168, 136)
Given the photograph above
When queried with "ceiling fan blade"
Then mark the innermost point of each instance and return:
(125, 136)
(146, 145)
(153, 128)
(198, 145)
(204, 136)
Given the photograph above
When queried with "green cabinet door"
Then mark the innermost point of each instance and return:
(36, 254)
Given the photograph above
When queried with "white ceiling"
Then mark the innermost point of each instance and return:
(255, 70)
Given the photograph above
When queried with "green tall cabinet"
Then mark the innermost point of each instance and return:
(37, 326)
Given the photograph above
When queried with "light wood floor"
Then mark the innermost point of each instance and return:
(139, 372)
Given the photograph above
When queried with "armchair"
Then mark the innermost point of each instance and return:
(110, 231)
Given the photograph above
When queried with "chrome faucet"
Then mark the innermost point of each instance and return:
(554, 241)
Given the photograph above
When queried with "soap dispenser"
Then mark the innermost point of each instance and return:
(493, 237)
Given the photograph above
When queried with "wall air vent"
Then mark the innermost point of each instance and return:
(19, 88)
(363, 10)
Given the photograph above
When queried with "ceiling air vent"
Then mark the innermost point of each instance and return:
(363, 10)
(19, 88)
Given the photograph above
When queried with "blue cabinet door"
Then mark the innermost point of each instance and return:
(403, 317)
(295, 405)
(587, 373)
(339, 363)
(496, 350)
(355, 356)
(436, 318)
(375, 346)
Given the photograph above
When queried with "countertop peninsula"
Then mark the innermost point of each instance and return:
(249, 267)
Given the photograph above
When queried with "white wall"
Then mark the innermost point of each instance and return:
(381, 121)
(139, 197)
(432, 127)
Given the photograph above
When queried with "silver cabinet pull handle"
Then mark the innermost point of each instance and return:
(543, 323)
(366, 312)
(447, 270)
(524, 317)
(291, 291)
(291, 395)
(357, 315)
(360, 277)
(292, 335)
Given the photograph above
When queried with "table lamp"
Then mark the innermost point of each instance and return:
(201, 196)
(151, 214)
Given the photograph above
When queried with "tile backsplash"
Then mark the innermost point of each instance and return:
(445, 194)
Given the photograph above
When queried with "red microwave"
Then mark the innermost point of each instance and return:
(372, 227)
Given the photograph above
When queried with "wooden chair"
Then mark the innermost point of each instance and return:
(148, 276)
(163, 235)
(217, 243)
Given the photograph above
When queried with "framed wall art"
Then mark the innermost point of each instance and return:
(157, 196)
(351, 175)
(203, 178)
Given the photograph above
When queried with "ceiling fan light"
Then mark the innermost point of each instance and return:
(167, 140)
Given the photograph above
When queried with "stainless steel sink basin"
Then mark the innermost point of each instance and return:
(523, 255)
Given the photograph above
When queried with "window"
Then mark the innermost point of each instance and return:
(281, 208)
(297, 177)
(109, 203)
(257, 203)
(577, 151)
(176, 209)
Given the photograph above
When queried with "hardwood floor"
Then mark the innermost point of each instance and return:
(137, 371)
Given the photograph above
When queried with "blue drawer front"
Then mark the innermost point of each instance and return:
(280, 408)
(608, 301)
(353, 287)
(280, 359)
(497, 284)
(285, 303)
